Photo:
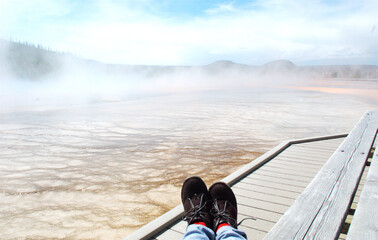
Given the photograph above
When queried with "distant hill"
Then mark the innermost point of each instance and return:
(35, 62)
(280, 65)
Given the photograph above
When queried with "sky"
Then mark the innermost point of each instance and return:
(198, 32)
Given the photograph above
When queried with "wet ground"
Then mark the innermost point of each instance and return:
(101, 170)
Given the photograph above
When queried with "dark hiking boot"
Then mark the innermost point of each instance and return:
(196, 201)
(224, 209)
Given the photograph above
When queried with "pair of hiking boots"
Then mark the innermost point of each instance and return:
(212, 207)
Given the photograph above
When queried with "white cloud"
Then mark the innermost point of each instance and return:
(302, 31)
(222, 8)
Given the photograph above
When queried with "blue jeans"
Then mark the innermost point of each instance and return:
(199, 232)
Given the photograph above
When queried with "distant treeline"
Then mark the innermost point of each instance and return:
(346, 71)
(32, 61)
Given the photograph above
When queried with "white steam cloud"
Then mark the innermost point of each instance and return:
(33, 77)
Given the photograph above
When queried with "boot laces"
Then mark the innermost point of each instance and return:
(223, 214)
(196, 210)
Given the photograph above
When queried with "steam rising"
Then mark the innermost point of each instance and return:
(37, 77)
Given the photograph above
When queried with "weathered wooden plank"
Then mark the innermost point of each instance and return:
(308, 158)
(180, 226)
(275, 179)
(299, 164)
(291, 166)
(336, 141)
(284, 175)
(273, 185)
(259, 214)
(250, 222)
(257, 223)
(365, 221)
(314, 147)
(308, 153)
(263, 189)
(302, 147)
(289, 171)
(257, 163)
(326, 147)
(324, 144)
(169, 234)
(305, 157)
(329, 144)
(262, 204)
(319, 212)
(252, 234)
(262, 196)
(315, 163)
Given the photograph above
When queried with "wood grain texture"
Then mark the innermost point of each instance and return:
(268, 191)
(307, 153)
(169, 234)
(276, 179)
(288, 176)
(259, 214)
(252, 234)
(262, 196)
(261, 204)
(304, 157)
(292, 165)
(319, 212)
(299, 160)
(273, 185)
(258, 223)
(365, 221)
(290, 171)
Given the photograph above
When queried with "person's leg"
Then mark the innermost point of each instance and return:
(224, 210)
(230, 233)
(199, 232)
(197, 203)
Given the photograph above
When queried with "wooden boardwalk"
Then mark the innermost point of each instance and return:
(321, 209)
(265, 191)
(318, 188)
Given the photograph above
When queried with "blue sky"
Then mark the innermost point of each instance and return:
(198, 32)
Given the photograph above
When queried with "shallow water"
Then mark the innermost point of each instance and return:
(102, 170)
